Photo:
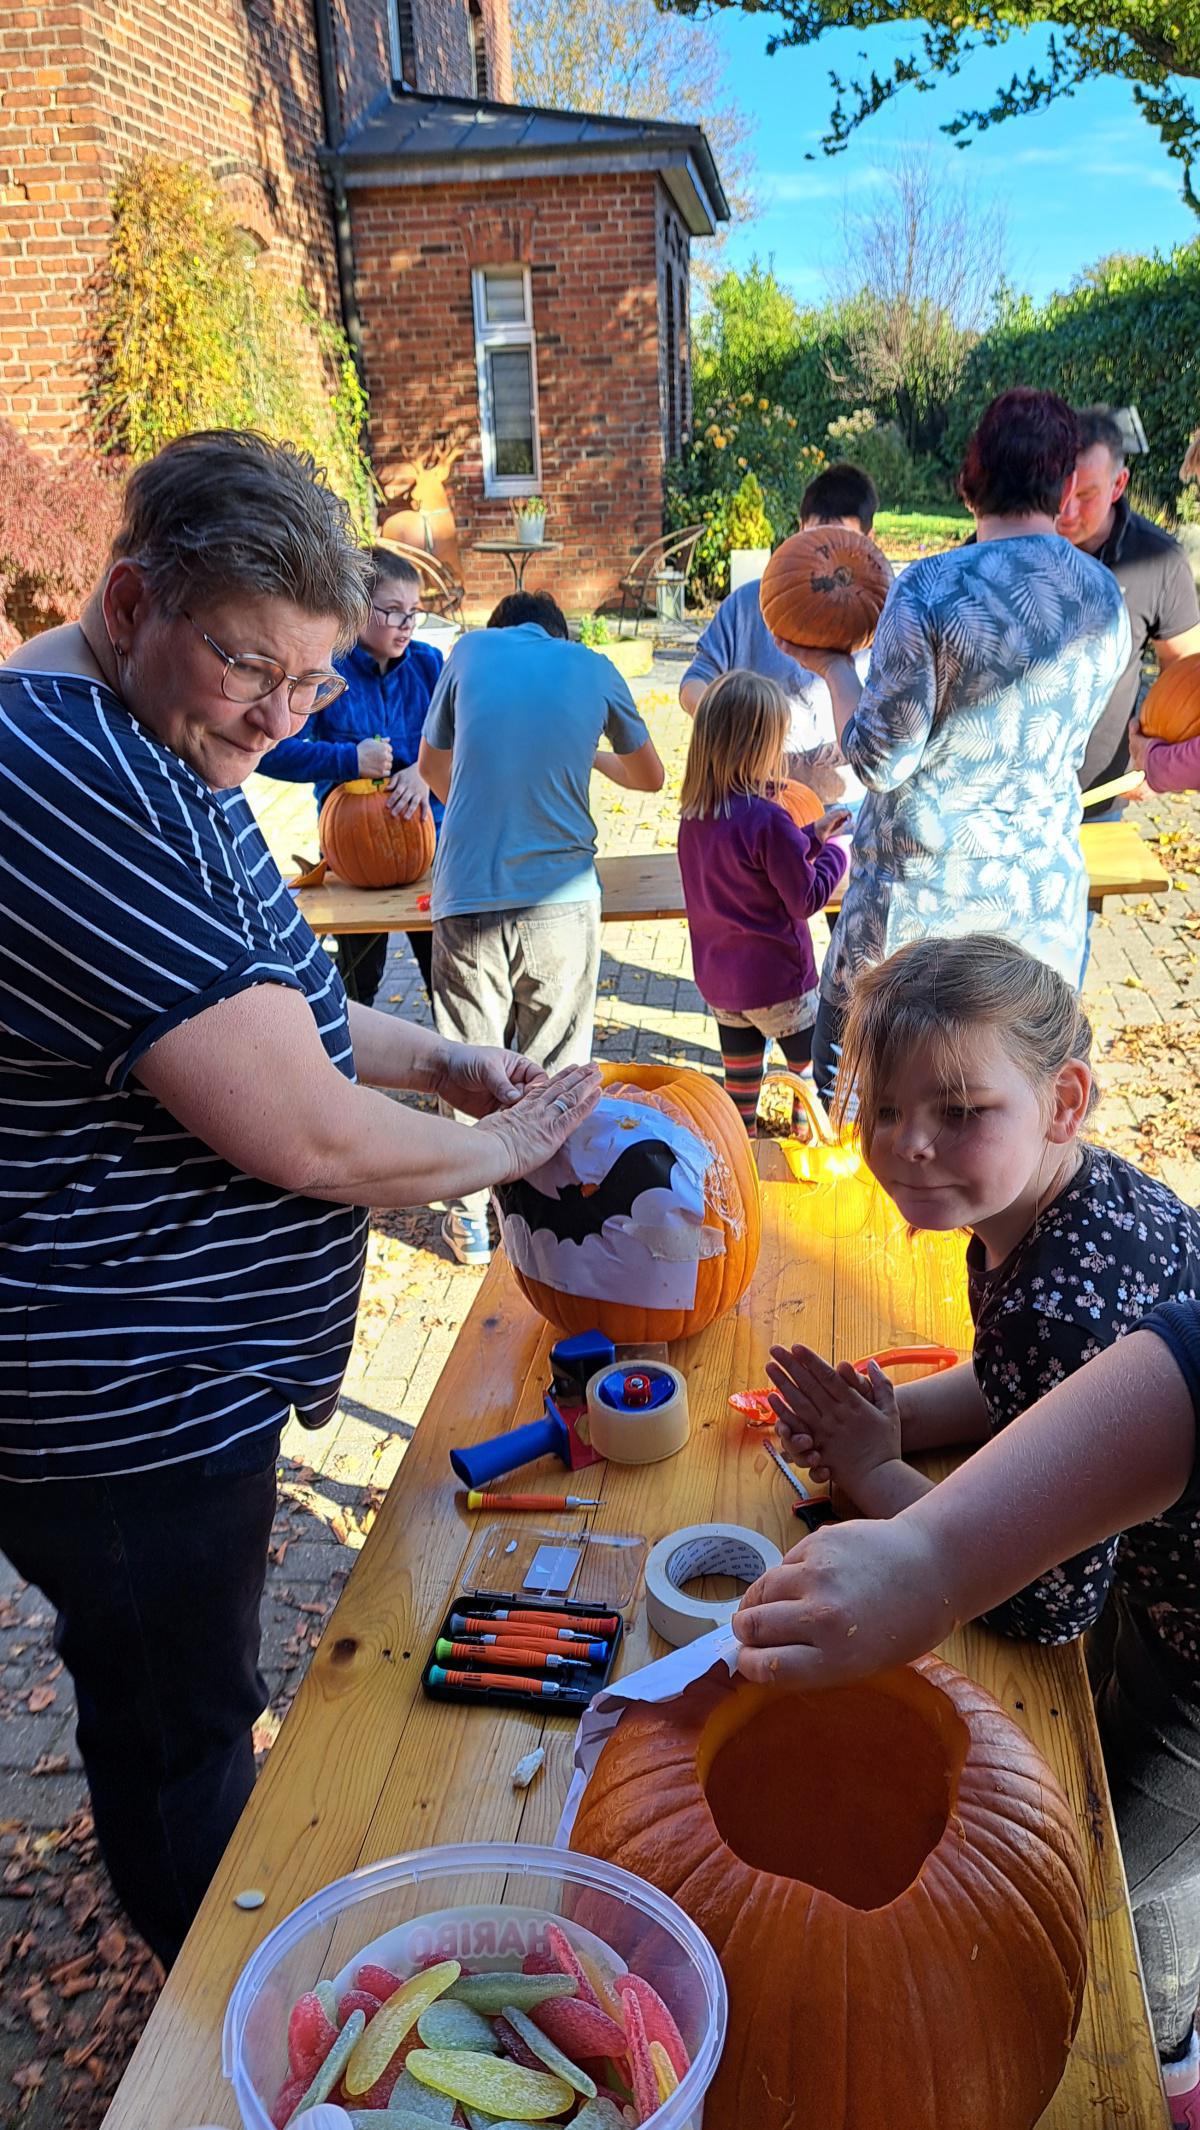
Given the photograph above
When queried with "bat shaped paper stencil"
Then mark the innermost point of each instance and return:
(617, 1213)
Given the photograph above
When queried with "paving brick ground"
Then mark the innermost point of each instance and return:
(74, 1989)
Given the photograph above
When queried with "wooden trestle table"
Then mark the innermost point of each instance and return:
(637, 885)
(366, 1766)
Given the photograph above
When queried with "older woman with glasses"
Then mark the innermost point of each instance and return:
(372, 728)
(189, 1131)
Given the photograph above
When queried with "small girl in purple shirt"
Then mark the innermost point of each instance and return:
(751, 881)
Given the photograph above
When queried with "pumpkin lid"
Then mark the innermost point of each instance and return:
(597, 1568)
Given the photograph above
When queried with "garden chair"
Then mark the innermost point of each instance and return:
(660, 563)
(441, 593)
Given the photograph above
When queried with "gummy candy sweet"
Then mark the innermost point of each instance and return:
(664, 2071)
(563, 1953)
(580, 2029)
(448, 2024)
(357, 2000)
(506, 2089)
(331, 2070)
(519, 2051)
(552, 2059)
(311, 2035)
(659, 2024)
(645, 2084)
(490, 1993)
(393, 2022)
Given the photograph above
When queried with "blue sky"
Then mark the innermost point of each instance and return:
(1085, 177)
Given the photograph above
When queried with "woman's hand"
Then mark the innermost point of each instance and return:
(407, 793)
(478, 1079)
(814, 658)
(542, 1116)
(852, 1599)
(835, 1422)
(374, 757)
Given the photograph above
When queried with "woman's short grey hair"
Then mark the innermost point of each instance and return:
(226, 511)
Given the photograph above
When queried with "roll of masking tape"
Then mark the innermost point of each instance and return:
(638, 1414)
(701, 1549)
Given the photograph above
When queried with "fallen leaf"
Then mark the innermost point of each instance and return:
(40, 1697)
(113, 1946)
(51, 1764)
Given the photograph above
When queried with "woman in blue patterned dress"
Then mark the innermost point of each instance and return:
(991, 665)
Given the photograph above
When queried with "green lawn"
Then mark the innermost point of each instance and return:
(908, 533)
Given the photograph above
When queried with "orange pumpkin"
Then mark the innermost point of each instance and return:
(825, 587)
(891, 1878)
(366, 845)
(800, 801)
(589, 1232)
(1171, 709)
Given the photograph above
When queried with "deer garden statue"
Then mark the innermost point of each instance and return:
(418, 510)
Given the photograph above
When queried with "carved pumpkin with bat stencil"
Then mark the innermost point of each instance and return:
(646, 1224)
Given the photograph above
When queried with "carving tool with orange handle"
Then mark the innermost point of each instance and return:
(507, 1683)
(478, 1498)
(507, 1659)
(527, 1630)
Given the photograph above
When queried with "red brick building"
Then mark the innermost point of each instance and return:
(516, 279)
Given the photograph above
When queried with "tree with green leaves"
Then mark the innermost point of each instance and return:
(1153, 44)
(620, 56)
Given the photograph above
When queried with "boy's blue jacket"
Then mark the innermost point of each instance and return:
(389, 706)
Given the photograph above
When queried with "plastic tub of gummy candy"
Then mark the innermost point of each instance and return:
(479, 1985)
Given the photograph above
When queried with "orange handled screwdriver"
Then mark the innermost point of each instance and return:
(507, 1659)
(593, 1622)
(934, 1357)
(465, 1623)
(546, 1503)
(509, 1685)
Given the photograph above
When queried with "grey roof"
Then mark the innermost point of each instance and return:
(410, 139)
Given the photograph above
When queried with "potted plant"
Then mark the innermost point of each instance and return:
(632, 656)
(530, 516)
(749, 534)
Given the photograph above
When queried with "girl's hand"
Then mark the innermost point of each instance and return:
(837, 1423)
(832, 823)
(1139, 748)
(851, 1599)
(374, 757)
(538, 1122)
(407, 793)
(477, 1079)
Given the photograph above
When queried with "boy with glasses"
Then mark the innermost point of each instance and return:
(373, 729)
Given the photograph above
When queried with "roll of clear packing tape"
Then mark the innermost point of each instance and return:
(638, 1413)
(701, 1549)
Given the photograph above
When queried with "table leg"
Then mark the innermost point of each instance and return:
(520, 563)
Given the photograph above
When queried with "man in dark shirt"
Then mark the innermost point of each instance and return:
(1151, 569)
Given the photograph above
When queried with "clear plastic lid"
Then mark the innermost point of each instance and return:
(597, 1568)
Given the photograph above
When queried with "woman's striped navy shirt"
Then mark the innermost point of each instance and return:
(156, 1305)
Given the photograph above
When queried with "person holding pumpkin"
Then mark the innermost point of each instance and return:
(190, 1131)
(373, 729)
(751, 880)
(990, 666)
(966, 1062)
(738, 639)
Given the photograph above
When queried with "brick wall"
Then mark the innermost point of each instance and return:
(593, 249)
(85, 83)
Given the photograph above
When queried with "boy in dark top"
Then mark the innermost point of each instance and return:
(374, 730)
(1151, 568)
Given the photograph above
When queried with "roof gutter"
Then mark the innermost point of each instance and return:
(332, 169)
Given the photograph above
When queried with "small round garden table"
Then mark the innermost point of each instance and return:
(517, 553)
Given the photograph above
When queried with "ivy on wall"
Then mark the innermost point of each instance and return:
(194, 326)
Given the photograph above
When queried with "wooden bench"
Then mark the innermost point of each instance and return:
(637, 885)
(365, 1766)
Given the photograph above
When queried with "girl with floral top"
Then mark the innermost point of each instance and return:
(966, 1067)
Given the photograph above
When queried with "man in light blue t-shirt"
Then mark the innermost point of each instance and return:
(511, 739)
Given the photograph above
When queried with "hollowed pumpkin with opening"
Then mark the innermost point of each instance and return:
(366, 845)
(1171, 709)
(825, 587)
(891, 1879)
(645, 1225)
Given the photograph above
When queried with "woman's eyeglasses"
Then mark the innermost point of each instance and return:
(248, 678)
(399, 617)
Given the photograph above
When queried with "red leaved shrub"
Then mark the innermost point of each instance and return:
(57, 520)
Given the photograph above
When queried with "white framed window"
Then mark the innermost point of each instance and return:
(506, 367)
(402, 43)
